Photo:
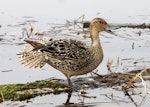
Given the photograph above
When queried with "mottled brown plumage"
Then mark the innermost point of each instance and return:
(71, 57)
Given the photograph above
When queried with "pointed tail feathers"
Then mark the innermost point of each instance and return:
(31, 58)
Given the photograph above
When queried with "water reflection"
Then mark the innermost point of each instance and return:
(77, 105)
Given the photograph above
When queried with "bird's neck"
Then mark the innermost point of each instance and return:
(96, 49)
(95, 41)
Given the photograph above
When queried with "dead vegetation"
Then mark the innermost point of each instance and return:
(128, 83)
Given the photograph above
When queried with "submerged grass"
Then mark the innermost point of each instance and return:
(30, 90)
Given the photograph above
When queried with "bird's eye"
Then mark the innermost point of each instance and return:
(100, 22)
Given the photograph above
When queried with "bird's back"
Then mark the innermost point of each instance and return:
(71, 57)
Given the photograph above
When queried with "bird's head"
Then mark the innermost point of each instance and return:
(98, 24)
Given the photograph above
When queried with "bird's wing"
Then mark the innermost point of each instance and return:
(39, 53)
(67, 55)
(66, 49)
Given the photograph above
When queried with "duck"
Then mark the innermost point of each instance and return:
(70, 56)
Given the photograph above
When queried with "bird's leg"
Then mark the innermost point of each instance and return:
(70, 91)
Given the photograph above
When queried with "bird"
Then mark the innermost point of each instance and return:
(70, 56)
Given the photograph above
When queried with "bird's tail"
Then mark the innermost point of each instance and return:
(31, 56)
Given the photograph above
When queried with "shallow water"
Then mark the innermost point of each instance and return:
(44, 15)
